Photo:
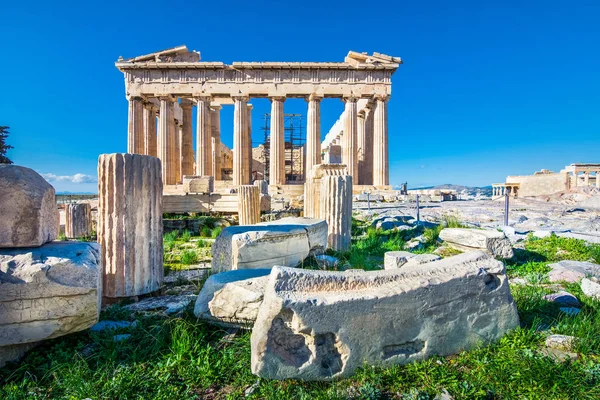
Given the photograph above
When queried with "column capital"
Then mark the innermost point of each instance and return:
(203, 97)
(186, 103)
(382, 97)
(168, 98)
(314, 97)
(277, 98)
(250, 106)
(350, 99)
(241, 98)
(216, 107)
(361, 114)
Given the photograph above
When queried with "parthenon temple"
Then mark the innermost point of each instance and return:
(163, 87)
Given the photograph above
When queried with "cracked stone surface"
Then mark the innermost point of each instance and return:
(321, 325)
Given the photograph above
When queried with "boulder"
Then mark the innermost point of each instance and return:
(465, 239)
(28, 210)
(572, 271)
(563, 298)
(322, 325)
(590, 288)
(396, 259)
(560, 342)
(232, 298)
(286, 242)
(49, 291)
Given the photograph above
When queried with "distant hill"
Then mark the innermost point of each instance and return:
(471, 190)
(73, 193)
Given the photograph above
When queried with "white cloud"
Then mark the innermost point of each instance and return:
(77, 178)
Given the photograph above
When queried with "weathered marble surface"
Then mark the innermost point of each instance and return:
(130, 223)
(28, 211)
(232, 298)
(287, 242)
(48, 291)
(317, 325)
(465, 239)
(78, 220)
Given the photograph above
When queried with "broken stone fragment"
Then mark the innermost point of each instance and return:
(321, 325)
(466, 239)
(590, 288)
(560, 342)
(287, 242)
(563, 298)
(49, 291)
(28, 212)
(232, 298)
(572, 271)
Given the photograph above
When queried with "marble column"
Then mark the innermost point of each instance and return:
(598, 179)
(576, 179)
(361, 142)
(367, 164)
(240, 138)
(135, 133)
(166, 142)
(187, 145)
(248, 204)
(351, 136)
(381, 175)
(78, 220)
(215, 125)
(336, 209)
(149, 129)
(249, 144)
(203, 137)
(178, 139)
(277, 145)
(586, 178)
(313, 134)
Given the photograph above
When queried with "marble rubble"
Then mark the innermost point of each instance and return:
(28, 210)
(287, 241)
(319, 325)
(465, 239)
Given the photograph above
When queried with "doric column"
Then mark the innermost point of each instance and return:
(586, 178)
(240, 138)
(187, 145)
(277, 143)
(598, 179)
(215, 124)
(313, 134)
(149, 129)
(166, 142)
(381, 175)
(367, 164)
(78, 220)
(351, 136)
(130, 224)
(135, 134)
(576, 178)
(178, 148)
(249, 122)
(336, 210)
(248, 204)
(203, 137)
(361, 141)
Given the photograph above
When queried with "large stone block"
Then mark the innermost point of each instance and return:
(130, 223)
(48, 291)
(232, 298)
(28, 212)
(78, 220)
(286, 242)
(198, 184)
(320, 325)
(494, 242)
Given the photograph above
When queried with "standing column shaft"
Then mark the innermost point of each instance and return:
(215, 124)
(135, 134)
(380, 144)
(249, 144)
(351, 136)
(248, 204)
(167, 141)
(313, 134)
(576, 179)
(336, 210)
(598, 179)
(149, 129)
(78, 220)
(277, 150)
(187, 145)
(586, 178)
(240, 138)
(203, 137)
(361, 143)
(177, 150)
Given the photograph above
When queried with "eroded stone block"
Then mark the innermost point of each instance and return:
(198, 184)
(319, 325)
(28, 211)
(465, 239)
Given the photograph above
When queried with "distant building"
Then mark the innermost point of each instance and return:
(546, 182)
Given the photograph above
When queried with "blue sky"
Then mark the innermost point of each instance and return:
(487, 89)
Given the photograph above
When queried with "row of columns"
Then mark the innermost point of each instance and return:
(586, 178)
(364, 147)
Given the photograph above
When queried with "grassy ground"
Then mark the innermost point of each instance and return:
(183, 358)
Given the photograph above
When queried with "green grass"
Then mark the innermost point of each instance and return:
(189, 257)
(185, 358)
(186, 235)
(216, 231)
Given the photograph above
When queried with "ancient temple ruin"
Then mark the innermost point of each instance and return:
(163, 87)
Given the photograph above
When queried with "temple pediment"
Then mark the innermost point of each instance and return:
(174, 54)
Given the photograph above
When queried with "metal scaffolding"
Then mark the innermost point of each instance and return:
(295, 139)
